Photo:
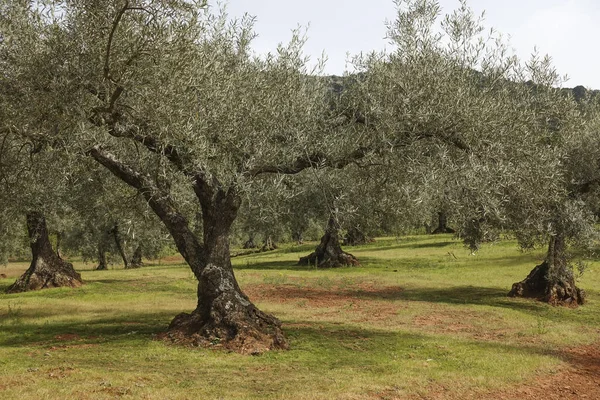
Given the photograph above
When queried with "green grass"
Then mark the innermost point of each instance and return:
(419, 314)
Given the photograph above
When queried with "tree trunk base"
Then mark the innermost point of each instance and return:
(101, 267)
(442, 225)
(249, 244)
(44, 274)
(269, 245)
(342, 259)
(355, 237)
(440, 230)
(329, 253)
(136, 259)
(231, 324)
(537, 286)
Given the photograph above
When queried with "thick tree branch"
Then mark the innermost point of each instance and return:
(310, 161)
(161, 204)
(320, 160)
(204, 187)
(151, 143)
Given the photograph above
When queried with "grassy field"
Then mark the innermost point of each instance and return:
(420, 316)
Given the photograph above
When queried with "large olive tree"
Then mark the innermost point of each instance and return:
(167, 95)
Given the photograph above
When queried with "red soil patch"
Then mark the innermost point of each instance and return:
(67, 337)
(176, 258)
(334, 296)
(362, 302)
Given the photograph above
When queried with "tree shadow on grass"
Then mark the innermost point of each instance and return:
(21, 329)
(487, 296)
(333, 341)
(428, 245)
(272, 265)
(405, 245)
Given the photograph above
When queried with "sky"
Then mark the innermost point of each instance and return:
(567, 30)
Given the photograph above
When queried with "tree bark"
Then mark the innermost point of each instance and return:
(224, 315)
(553, 280)
(102, 264)
(269, 244)
(47, 270)
(329, 253)
(355, 237)
(442, 224)
(118, 242)
(249, 244)
(136, 258)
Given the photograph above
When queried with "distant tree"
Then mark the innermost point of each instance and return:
(33, 182)
(31, 189)
(113, 221)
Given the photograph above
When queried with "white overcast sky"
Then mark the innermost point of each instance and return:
(568, 30)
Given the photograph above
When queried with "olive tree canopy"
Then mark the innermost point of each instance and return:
(168, 97)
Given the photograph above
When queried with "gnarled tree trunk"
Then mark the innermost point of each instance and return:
(224, 314)
(47, 270)
(329, 253)
(102, 264)
(553, 280)
(442, 224)
(136, 258)
(356, 237)
(118, 242)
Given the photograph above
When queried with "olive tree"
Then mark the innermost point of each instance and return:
(495, 129)
(32, 180)
(169, 94)
(566, 214)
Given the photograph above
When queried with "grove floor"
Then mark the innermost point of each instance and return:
(421, 318)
